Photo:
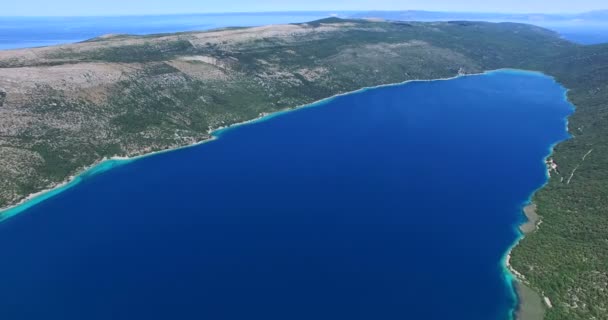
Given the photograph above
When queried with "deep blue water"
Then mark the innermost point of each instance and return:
(392, 203)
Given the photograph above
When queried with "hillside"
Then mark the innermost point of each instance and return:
(568, 256)
(64, 108)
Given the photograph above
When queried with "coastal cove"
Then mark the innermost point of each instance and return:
(408, 202)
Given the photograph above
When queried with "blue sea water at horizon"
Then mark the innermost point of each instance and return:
(26, 32)
(582, 34)
(390, 203)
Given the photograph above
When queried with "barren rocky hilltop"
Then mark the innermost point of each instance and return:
(66, 107)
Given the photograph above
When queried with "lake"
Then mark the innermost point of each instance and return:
(398, 202)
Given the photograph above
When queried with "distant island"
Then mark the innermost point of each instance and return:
(68, 107)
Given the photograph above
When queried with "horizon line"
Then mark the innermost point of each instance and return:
(329, 12)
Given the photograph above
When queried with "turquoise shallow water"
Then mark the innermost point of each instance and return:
(38, 198)
(391, 203)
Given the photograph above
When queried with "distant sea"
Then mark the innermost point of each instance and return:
(391, 203)
(584, 34)
(26, 32)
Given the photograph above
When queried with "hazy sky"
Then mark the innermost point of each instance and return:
(122, 7)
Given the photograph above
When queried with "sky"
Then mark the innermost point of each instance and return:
(140, 7)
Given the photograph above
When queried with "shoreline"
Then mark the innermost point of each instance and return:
(13, 209)
(530, 304)
(514, 278)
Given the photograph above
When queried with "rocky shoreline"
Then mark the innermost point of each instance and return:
(532, 304)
